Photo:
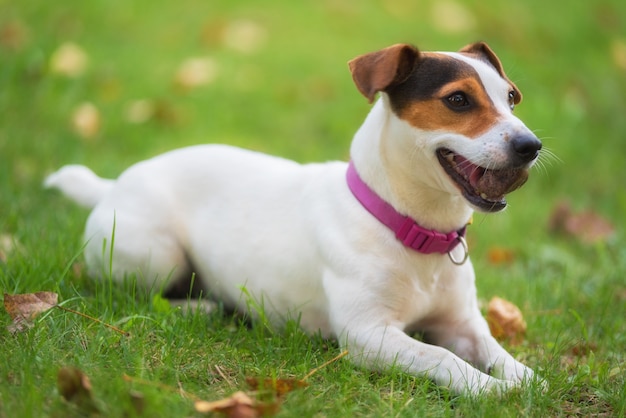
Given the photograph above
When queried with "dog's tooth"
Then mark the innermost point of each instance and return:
(484, 196)
(450, 157)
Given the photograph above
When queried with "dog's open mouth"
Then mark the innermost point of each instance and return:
(483, 188)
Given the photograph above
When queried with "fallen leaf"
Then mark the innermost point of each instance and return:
(23, 308)
(77, 269)
(86, 120)
(13, 35)
(244, 35)
(75, 387)
(452, 17)
(241, 405)
(399, 9)
(500, 255)
(8, 246)
(69, 60)
(279, 386)
(587, 226)
(583, 348)
(196, 72)
(505, 321)
(29, 305)
(140, 111)
(618, 49)
(238, 405)
(138, 402)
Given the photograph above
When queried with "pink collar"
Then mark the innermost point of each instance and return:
(407, 231)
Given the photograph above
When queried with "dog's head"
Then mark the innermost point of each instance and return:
(461, 107)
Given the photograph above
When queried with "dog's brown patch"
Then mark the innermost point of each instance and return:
(433, 113)
(421, 99)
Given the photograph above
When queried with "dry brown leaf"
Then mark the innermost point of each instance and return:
(280, 387)
(29, 305)
(13, 35)
(505, 321)
(583, 348)
(138, 402)
(238, 405)
(69, 60)
(75, 387)
(23, 308)
(587, 226)
(86, 120)
(241, 405)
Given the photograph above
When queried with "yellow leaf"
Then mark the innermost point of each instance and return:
(140, 111)
(452, 17)
(8, 246)
(244, 35)
(618, 48)
(69, 60)
(196, 72)
(86, 120)
(500, 255)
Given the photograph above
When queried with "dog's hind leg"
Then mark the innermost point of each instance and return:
(122, 243)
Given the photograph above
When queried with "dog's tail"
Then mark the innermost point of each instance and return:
(80, 184)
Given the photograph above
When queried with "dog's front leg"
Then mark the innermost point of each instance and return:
(499, 363)
(367, 327)
(471, 340)
(381, 347)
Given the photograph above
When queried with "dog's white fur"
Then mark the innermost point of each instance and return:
(299, 242)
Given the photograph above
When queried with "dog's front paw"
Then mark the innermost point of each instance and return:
(511, 370)
(517, 373)
(489, 386)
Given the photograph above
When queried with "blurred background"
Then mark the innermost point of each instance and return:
(108, 83)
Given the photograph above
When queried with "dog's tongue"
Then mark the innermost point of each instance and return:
(494, 184)
(470, 171)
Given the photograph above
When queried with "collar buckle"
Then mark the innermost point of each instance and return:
(427, 241)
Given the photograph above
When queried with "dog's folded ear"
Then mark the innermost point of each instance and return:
(484, 52)
(379, 70)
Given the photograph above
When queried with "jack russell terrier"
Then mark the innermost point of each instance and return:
(368, 251)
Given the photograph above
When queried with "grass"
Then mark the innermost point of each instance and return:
(293, 96)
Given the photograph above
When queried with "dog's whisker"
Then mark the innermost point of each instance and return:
(548, 156)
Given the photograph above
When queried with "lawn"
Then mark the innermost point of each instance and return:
(108, 83)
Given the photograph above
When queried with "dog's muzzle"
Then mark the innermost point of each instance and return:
(486, 188)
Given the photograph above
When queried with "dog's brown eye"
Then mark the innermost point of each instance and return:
(458, 100)
(512, 99)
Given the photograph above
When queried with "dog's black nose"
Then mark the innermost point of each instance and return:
(525, 148)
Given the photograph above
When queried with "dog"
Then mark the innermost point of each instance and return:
(368, 252)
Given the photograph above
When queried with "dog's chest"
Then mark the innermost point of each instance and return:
(422, 294)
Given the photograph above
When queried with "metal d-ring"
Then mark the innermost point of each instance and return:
(465, 252)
